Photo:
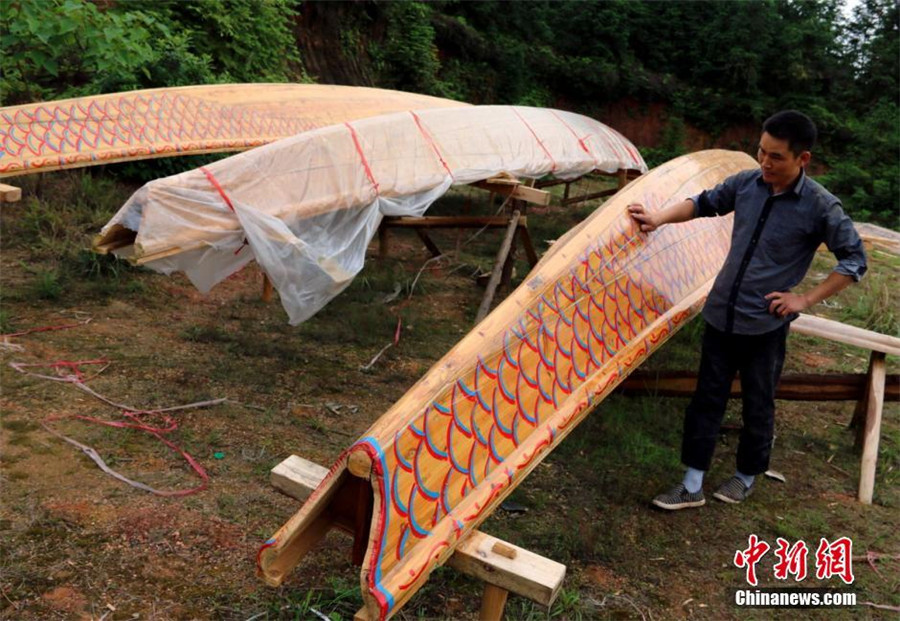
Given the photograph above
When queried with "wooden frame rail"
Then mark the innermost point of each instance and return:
(623, 176)
(503, 567)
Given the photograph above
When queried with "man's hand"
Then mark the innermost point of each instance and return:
(644, 218)
(783, 303)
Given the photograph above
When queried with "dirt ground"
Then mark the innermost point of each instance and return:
(79, 544)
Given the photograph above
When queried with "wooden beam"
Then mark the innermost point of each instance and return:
(10, 194)
(450, 222)
(525, 238)
(587, 197)
(117, 237)
(429, 243)
(297, 477)
(267, 289)
(509, 567)
(499, 262)
(872, 433)
(518, 192)
(482, 556)
(792, 387)
(493, 602)
(383, 242)
(842, 333)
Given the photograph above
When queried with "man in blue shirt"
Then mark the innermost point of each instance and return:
(780, 217)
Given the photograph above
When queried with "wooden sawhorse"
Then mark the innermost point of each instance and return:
(503, 567)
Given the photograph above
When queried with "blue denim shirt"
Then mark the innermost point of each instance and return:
(772, 245)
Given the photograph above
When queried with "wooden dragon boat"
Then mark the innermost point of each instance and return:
(437, 464)
(185, 120)
(305, 208)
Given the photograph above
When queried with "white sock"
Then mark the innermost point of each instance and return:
(746, 478)
(693, 480)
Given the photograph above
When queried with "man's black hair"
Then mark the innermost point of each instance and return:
(795, 127)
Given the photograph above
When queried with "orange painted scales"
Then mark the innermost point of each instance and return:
(437, 464)
(183, 120)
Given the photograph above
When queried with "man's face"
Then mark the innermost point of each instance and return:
(778, 163)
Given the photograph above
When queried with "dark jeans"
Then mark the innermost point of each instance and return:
(759, 358)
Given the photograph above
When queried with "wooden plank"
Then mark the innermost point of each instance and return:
(117, 237)
(482, 556)
(450, 222)
(383, 241)
(299, 546)
(429, 243)
(518, 192)
(493, 602)
(588, 197)
(527, 574)
(266, 289)
(297, 477)
(858, 421)
(527, 244)
(792, 387)
(499, 262)
(10, 194)
(842, 333)
(872, 432)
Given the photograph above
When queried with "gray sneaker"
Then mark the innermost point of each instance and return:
(679, 498)
(732, 491)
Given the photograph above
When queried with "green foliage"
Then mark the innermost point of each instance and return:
(66, 48)
(873, 309)
(245, 40)
(407, 58)
(47, 285)
(671, 144)
(865, 166)
(6, 322)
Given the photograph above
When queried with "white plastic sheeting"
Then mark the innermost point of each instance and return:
(306, 207)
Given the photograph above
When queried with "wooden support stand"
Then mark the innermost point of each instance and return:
(10, 194)
(792, 387)
(499, 263)
(871, 426)
(504, 567)
(267, 289)
(622, 178)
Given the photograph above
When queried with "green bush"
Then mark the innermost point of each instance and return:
(54, 49)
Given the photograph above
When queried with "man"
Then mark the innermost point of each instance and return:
(780, 217)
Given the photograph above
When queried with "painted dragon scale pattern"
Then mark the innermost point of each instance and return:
(177, 121)
(598, 304)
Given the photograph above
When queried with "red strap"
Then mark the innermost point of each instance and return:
(431, 143)
(44, 329)
(362, 157)
(550, 157)
(225, 198)
(580, 141)
(218, 187)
